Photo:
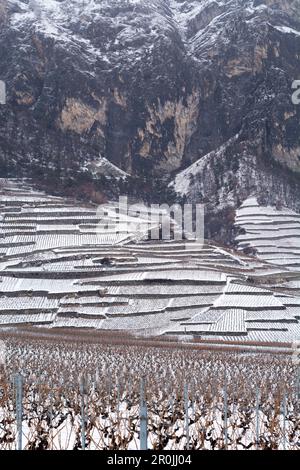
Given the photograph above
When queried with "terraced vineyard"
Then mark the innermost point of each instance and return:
(273, 233)
(64, 265)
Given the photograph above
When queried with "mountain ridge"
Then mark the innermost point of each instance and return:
(154, 87)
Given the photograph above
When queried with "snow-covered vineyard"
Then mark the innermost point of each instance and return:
(75, 395)
(273, 233)
(64, 265)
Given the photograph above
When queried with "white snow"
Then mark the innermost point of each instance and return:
(274, 233)
(182, 182)
(287, 30)
(148, 287)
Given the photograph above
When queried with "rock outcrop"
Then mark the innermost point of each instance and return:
(154, 87)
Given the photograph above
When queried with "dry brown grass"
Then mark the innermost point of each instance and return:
(117, 337)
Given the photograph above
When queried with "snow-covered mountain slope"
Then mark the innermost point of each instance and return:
(153, 87)
(67, 265)
(102, 166)
(272, 233)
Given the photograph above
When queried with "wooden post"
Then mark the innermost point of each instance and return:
(19, 408)
(143, 418)
(186, 414)
(257, 416)
(284, 420)
(83, 422)
(225, 414)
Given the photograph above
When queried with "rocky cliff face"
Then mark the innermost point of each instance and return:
(155, 87)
